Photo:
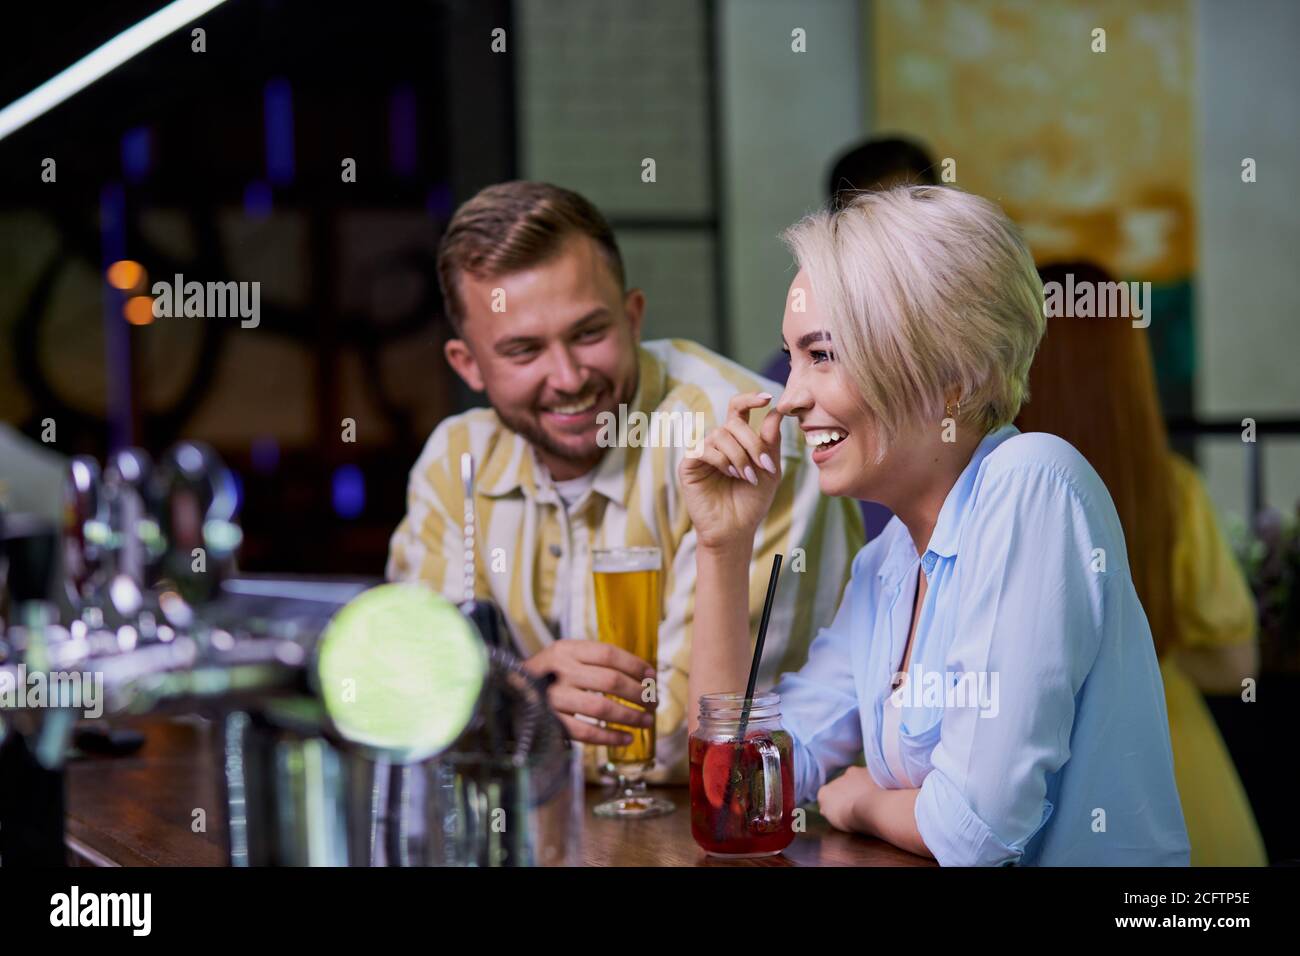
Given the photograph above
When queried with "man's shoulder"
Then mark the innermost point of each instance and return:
(696, 374)
(700, 380)
(477, 431)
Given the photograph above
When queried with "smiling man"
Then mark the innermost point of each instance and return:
(534, 286)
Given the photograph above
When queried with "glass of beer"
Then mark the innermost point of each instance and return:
(627, 615)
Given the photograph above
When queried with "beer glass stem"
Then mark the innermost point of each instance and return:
(631, 797)
(632, 786)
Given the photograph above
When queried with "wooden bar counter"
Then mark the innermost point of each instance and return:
(140, 810)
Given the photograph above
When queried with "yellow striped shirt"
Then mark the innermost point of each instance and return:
(534, 553)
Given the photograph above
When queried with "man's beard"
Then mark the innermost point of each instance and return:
(531, 430)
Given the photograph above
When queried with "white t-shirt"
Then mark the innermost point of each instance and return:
(571, 491)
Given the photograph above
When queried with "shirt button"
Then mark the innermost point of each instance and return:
(927, 562)
(555, 550)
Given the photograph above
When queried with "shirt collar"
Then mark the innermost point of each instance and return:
(947, 528)
(512, 464)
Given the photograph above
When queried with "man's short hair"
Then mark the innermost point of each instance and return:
(889, 161)
(514, 226)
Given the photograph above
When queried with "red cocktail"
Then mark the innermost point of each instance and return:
(742, 797)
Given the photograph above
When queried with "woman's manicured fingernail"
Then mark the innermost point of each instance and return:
(750, 476)
(627, 738)
(765, 396)
(731, 470)
(766, 461)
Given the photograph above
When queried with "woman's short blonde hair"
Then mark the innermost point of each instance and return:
(925, 288)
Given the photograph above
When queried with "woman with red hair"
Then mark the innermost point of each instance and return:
(1092, 383)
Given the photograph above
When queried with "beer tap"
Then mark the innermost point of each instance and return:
(197, 523)
(86, 540)
(87, 543)
(161, 624)
(136, 541)
(85, 533)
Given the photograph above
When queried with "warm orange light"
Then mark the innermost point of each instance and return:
(139, 309)
(125, 274)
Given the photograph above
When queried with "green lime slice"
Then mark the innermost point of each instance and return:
(400, 670)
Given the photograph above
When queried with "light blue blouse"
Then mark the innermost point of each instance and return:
(1034, 713)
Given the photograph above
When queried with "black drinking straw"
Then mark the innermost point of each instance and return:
(749, 690)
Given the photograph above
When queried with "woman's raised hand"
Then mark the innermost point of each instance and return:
(730, 478)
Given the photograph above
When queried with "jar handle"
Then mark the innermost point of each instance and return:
(773, 801)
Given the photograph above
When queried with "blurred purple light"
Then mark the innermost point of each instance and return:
(257, 200)
(349, 491)
(277, 101)
(137, 153)
(238, 481)
(265, 454)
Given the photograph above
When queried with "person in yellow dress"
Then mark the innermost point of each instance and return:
(1092, 383)
(1217, 649)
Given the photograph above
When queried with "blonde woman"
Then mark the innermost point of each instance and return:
(911, 325)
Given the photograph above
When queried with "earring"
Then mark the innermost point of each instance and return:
(948, 412)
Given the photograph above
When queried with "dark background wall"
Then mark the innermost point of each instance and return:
(227, 165)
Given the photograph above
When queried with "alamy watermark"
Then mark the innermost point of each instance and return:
(78, 690)
(679, 429)
(1102, 300)
(74, 908)
(977, 689)
(209, 300)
